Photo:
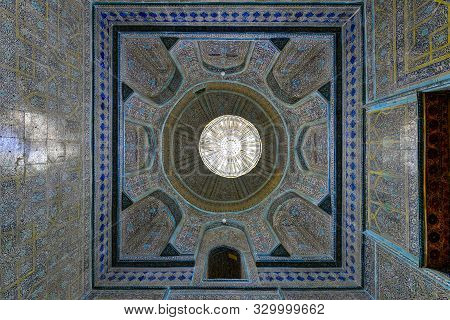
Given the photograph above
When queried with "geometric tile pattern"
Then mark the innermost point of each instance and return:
(314, 160)
(107, 16)
(326, 295)
(392, 183)
(300, 69)
(408, 44)
(44, 149)
(390, 276)
(303, 229)
(223, 295)
(127, 295)
(146, 228)
(184, 53)
(45, 142)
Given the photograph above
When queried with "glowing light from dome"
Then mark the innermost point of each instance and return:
(230, 146)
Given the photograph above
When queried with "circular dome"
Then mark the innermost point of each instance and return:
(230, 146)
(193, 159)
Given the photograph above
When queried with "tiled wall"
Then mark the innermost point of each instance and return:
(389, 275)
(392, 170)
(400, 61)
(44, 149)
(392, 241)
(407, 45)
(393, 223)
(45, 157)
(214, 294)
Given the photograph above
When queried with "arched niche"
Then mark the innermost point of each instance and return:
(146, 226)
(224, 263)
(232, 236)
(302, 228)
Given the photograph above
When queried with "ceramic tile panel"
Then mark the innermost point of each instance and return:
(407, 46)
(187, 54)
(44, 142)
(392, 175)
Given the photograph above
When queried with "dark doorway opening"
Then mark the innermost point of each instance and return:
(436, 182)
(224, 263)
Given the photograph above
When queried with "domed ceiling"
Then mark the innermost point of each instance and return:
(182, 162)
(168, 209)
(241, 78)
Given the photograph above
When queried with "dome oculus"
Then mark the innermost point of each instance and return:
(230, 146)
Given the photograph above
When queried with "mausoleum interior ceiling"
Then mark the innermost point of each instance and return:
(159, 86)
(224, 149)
(208, 77)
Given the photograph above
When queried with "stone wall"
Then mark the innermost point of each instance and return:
(44, 149)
